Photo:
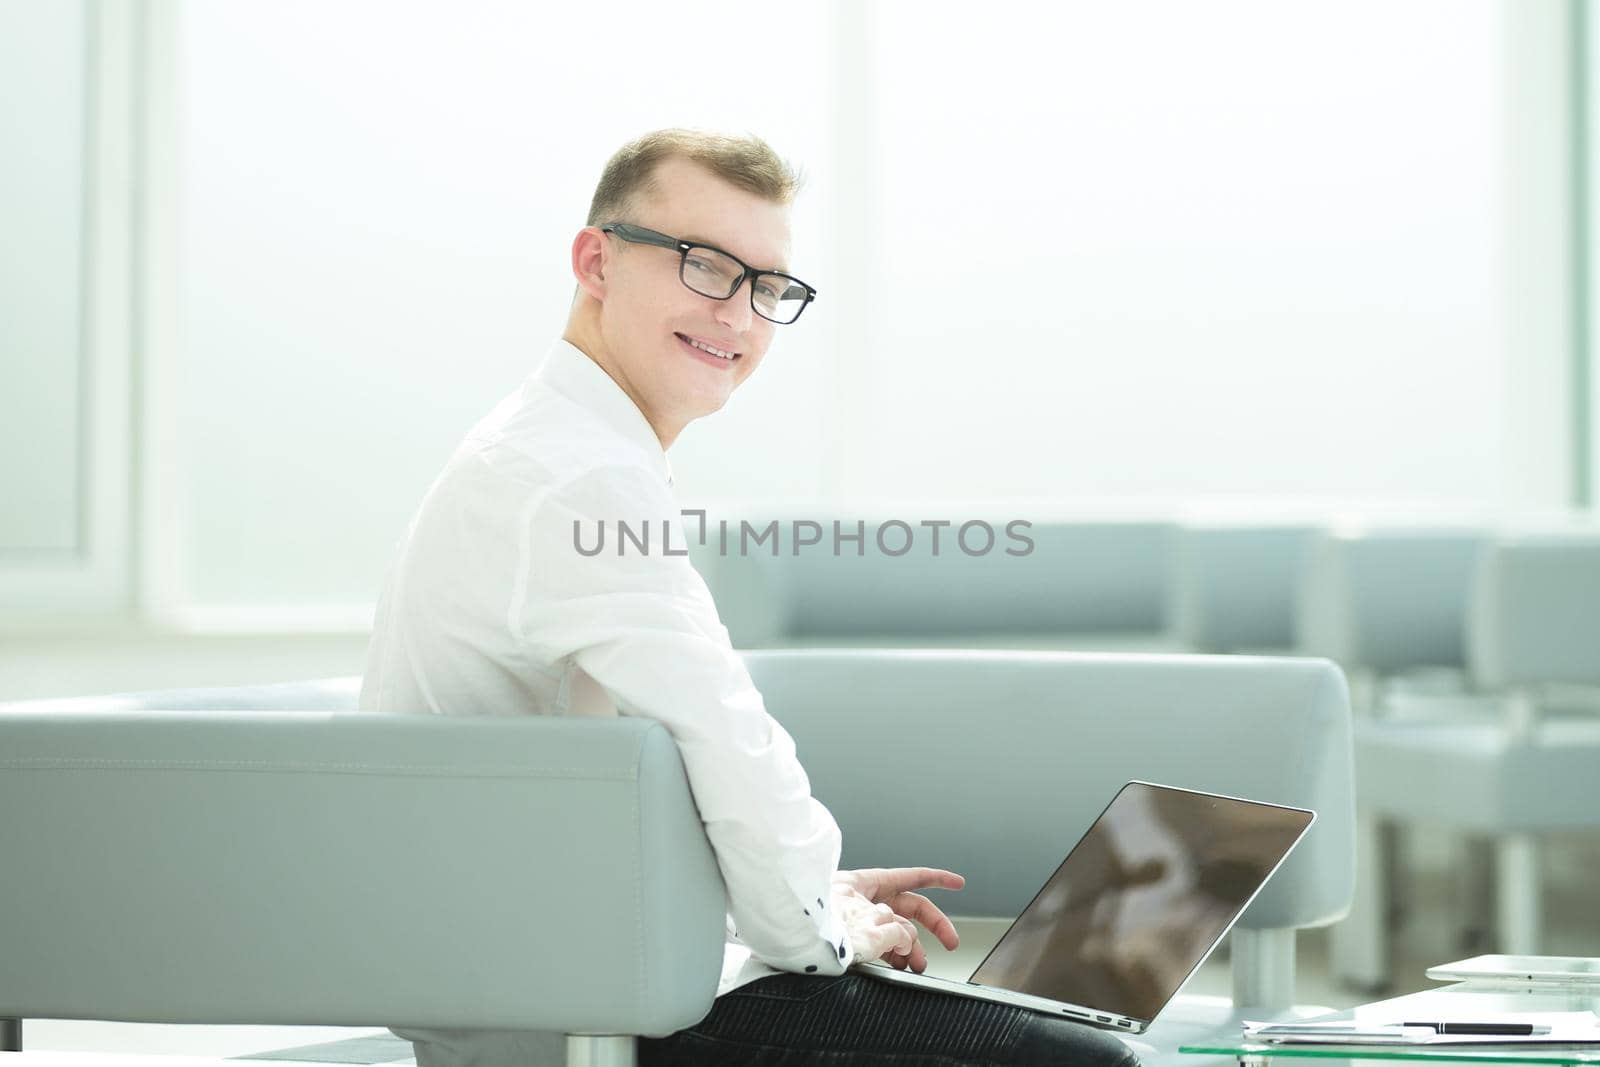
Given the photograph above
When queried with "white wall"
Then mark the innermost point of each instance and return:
(1139, 251)
(1130, 254)
(66, 395)
(1591, 298)
(41, 277)
(1222, 248)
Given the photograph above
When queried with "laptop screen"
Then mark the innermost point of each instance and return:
(1142, 899)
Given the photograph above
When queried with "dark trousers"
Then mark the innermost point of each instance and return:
(796, 1020)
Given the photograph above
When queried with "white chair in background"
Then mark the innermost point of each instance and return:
(1533, 625)
(1236, 587)
(1389, 605)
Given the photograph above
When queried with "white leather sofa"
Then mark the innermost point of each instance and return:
(268, 855)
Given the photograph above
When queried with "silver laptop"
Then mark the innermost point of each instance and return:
(1137, 905)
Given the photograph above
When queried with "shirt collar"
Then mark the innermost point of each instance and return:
(570, 371)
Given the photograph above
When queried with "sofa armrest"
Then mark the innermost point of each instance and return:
(274, 867)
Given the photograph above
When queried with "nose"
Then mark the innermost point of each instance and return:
(735, 312)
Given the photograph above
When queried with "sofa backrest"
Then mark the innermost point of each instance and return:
(1066, 577)
(993, 764)
(1237, 588)
(1389, 599)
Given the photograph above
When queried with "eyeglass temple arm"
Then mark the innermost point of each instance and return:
(640, 235)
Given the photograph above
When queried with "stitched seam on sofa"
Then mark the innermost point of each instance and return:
(268, 766)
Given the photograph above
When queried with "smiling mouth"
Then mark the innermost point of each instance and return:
(707, 349)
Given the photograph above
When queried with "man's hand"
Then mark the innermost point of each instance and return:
(878, 905)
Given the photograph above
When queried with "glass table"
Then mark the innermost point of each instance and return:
(1461, 1002)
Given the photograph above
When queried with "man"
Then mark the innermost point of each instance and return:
(683, 275)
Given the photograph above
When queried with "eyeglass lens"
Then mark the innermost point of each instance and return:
(710, 273)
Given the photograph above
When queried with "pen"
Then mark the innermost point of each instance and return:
(1497, 1029)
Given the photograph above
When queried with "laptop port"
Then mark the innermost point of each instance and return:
(1103, 1018)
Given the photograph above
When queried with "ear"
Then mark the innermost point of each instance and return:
(589, 260)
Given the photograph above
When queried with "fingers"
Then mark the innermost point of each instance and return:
(894, 885)
(918, 958)
(894, 941)
(895, 880)
(915, 960)
(881, 883)
(909, 953)
(876, 930)
(918, 907)
(906, 947)
(899, 935)
(884, 927)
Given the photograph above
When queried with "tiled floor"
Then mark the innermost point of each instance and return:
(1429, 937)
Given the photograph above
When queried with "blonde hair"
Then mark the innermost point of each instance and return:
(747, 162)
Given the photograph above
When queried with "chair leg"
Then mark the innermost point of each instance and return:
(10, 1035)
(1475, 878)
(1517, 894)
(1360, 942)
(1398, 892)
(1263, 968)
(603, 1050)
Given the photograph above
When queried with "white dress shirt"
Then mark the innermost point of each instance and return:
(489, 608)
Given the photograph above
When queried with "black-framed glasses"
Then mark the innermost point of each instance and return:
(709, 271)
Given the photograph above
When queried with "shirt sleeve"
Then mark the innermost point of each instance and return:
(641, 623)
